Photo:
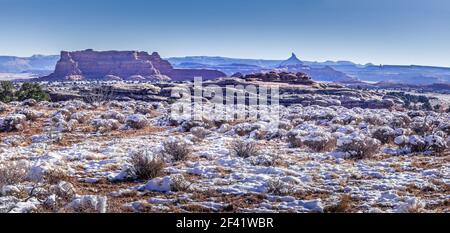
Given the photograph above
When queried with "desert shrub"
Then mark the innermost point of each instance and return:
(66, 126)
(87, 204)
(145, 166)
(136, 121)
(422, 126)
(439, 133)
(200, 132)
(320, 142)
(81, 117)
(187, 125)
(436, 143)
(401, 140)
(384, 134)
(32, 91)
(62, 114)
(417, 144)
(14, 140)
(374, 119)
(179, 183)
(258, 134)
(328, 116)
(345, 129)
(114, 115)
(13, 173)
(55, 136)
(266, 160)
(400, 121)
(105, 125)
(54, 176)
(297, 121)
(244, 129)
(358, 147)
(411, 205)
(3, 107)
(144, 108)
(294, 139)
(413, 114)
(63, 189)
(176, 150)
(99, 95)
(114, 104)
(347, 119)
(273, 134)
(244, 149)
(13, 122)
(445, 127)
(30, 114)
(29, 102)
(6, 91)
(285, 125)
(279, 187)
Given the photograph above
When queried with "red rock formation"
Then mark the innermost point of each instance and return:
(90, 64)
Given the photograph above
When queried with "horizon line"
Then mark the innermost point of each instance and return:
(243, 58)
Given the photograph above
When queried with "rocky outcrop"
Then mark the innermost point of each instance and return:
(283, 77)
(296, 91)
(121, 65)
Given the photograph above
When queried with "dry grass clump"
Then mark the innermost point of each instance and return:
(144, 166)
(176, 150)
(244, 149)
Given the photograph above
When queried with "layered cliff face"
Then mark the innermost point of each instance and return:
(125, 65)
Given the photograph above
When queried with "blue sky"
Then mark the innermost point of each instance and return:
(382, 31)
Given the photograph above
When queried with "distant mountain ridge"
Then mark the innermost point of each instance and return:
(325, 71)
(12, 64)
(414, 74)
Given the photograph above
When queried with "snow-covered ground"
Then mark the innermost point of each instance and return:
(76, 157)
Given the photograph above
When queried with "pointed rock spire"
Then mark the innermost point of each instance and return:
(292, 61)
